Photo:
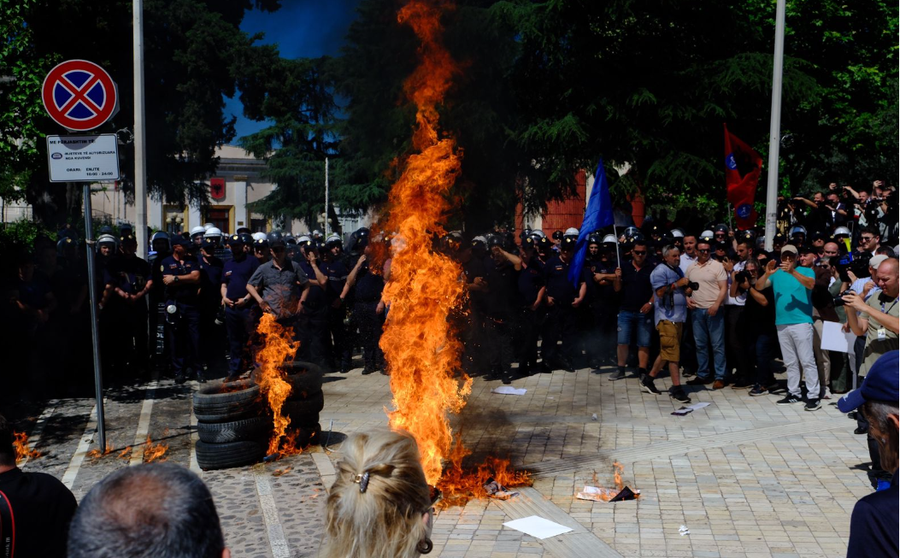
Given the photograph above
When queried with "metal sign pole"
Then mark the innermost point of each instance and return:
(92, 293)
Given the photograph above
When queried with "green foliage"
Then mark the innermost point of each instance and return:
(194, 52)
(301, 107)
(19, 236)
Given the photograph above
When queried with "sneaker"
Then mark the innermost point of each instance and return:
(648, 385)
(617, 375)
(698, 381)
(789, 400)
(758, 390)
(741, 383)
(812, 405)
(678, 394)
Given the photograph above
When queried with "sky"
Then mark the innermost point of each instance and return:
(301, 29)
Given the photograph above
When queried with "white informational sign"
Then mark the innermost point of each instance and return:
(83, 158)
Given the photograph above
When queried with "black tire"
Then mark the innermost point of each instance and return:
(304, 377)
(233, 454)
(310, 435)
(304, 421)
(248, 430)
(309, 406)
(239, 400)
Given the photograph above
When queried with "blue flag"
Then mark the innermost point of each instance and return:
(599, 213)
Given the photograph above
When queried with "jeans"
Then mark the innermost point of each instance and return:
(796, 342)
(631, 322)
(238, 326)
(763, 355)
(709, 330)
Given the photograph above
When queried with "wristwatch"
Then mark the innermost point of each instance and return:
(175, 278)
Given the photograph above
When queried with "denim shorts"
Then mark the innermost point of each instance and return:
(631, 321)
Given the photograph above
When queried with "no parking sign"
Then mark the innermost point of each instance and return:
(79, 95)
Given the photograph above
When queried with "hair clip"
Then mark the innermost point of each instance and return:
(363, 481)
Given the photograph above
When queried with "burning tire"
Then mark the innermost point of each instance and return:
(307, 408)
(254, 429)
(232, 454)
(227, 402)
(304, 377)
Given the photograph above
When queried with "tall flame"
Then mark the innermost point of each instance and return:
(278, 346)
(421, 351)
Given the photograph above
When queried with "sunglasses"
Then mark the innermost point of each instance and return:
(638, 253)
(866, 238)
(703, 250)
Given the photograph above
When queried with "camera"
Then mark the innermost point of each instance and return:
(741, 276)
(839, 299)
(693, 285)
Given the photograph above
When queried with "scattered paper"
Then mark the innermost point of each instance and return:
(596, 494)
(537, 527)
(683, 530)
(594, 416)
(690, 409)
(509, 390)
(834, 338)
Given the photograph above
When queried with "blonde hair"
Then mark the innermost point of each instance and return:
(380, 518)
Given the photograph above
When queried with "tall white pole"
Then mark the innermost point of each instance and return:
(140, 148)
(775, 128)
(327, 228)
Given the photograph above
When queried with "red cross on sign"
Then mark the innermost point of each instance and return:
(79, 95)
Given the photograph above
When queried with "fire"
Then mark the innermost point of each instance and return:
(154, 452)
(96, 453)
(459, 485)
(421, 351)
(277, 347)
(618, 468)
(20, 442)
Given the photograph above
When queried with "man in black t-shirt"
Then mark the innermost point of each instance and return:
(501, 270)
(635, 312)
(35, 508)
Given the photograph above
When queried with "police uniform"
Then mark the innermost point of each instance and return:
(529, 283)
(183, 325)
(313, 322)
(366, 296)
(604, 306)
(335, 270)
(211, 335)
(560, 323)
(128, 275)
(501, 277)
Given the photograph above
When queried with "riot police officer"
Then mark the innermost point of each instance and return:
(238, 303)
(181, 276)
(128, 281)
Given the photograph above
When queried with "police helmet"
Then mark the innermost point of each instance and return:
(494, 240)
(677, 233)
(631, 231)
(213, 232)
(235, 239)
(557, 235)
(242, 230)
(778, 238)
(303, 240)
(127, 239)
(721, 228)
(571, 231)
(798, 229)
(275, 235)
(707, 236)
(160, 236)
(207, 226)
(538, 233)
(568, 243)
(594, 239)
(197, 231)
(610, 239)
(259, 236)
(333, 241)
(289, 239)
(529, 243)
(106, 239)
(841, 231)
(65, 243)
(479, 243)
(316, 234)
(261, 244)
(544, 245)
(106, 229)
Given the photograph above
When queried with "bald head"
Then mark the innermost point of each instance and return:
(886, 277)
(831, 249)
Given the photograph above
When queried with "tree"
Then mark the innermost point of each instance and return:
(299, 103)
(194, 54)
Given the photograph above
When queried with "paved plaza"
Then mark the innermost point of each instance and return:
(747, 477)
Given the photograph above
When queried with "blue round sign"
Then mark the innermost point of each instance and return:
(730, 162)
(744, 211)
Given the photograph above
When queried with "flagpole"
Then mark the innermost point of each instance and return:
(775, 128)
(618, 261)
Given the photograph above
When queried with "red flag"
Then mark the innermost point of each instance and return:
(742, 169)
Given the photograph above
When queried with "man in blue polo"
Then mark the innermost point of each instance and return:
(237, 302)
(873, 525)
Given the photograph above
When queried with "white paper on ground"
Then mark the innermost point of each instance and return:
(696, 406)
(509, 390)
(834, 338)
(683, 530)
(537, 527)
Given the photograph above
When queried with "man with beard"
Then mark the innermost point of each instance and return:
(635, 321)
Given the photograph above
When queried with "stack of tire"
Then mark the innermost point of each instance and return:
(304, 402)
(233, 424)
